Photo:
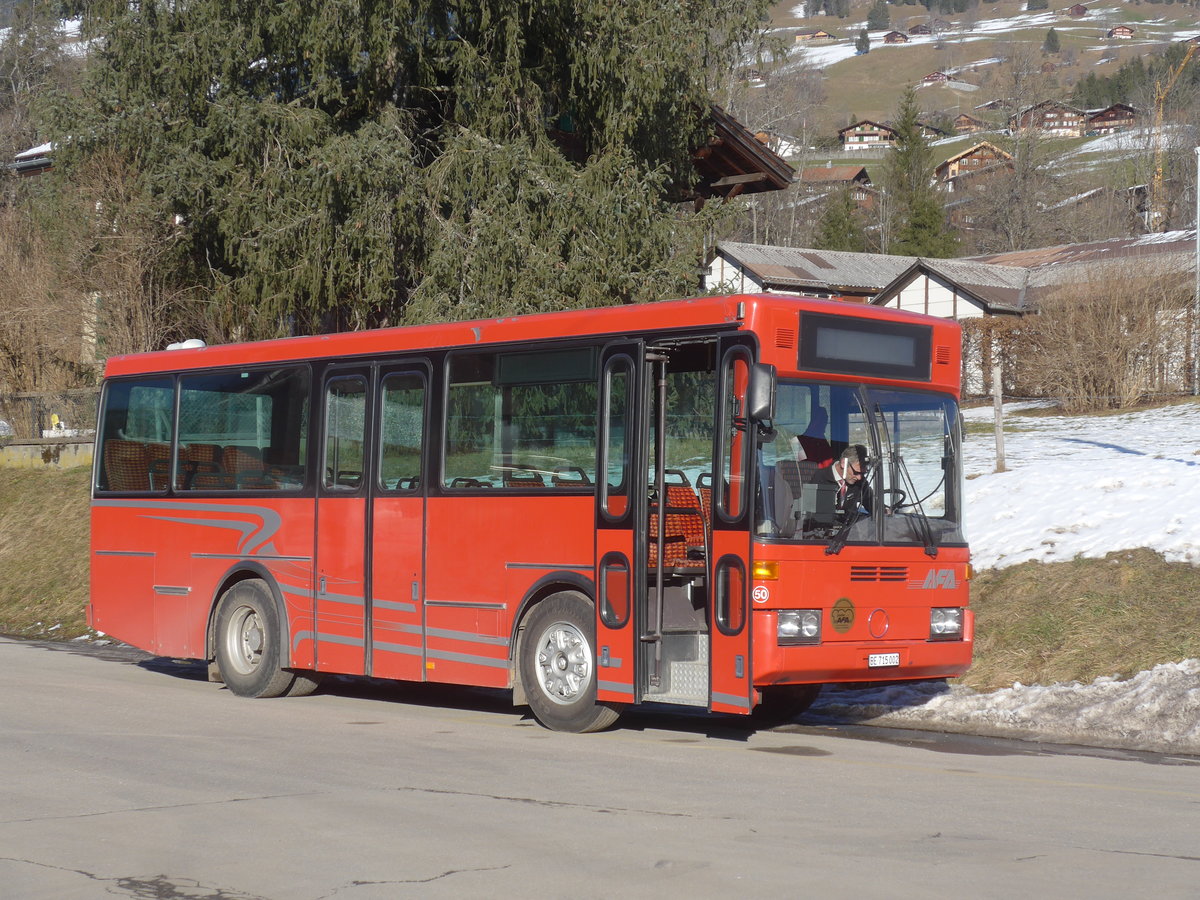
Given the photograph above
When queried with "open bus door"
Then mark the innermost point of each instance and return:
(734, 436)
(621, 504)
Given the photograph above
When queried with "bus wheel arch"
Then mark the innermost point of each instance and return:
(556, 664)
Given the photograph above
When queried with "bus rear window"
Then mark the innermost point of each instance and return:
(135, 435)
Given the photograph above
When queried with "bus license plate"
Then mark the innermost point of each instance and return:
(881, 660)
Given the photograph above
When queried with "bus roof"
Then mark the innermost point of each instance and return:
(754, 311)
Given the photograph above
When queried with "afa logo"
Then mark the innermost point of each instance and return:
(937, 578)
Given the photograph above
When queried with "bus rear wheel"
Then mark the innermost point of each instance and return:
(247, 638)
(558, 666)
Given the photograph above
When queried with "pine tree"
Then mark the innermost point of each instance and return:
(862, 44)
(916, 206)
(1051, 44)
(839, 228)
(878, 19)
(335, 165)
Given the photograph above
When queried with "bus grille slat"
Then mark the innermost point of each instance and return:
(879, 573)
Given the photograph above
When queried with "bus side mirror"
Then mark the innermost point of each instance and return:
(760, 396)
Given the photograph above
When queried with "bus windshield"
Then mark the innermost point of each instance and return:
(854, 464)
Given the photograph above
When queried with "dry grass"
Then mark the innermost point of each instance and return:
(43, 551)
(1043, 623)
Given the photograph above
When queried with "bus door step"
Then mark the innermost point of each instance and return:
(685, 671)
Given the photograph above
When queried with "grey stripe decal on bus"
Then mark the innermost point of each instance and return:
(578, 567)
(394, 604)
(348, 599)
(468, 636)
(270, 521)
(468, 658)
(142, 553)
(732, 700)
(171, 590)
(467, 604)
(273, 557)
(625, 689)
(325, 638)
(396, 648)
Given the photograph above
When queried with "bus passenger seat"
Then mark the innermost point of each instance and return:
(127, 465)
(684, 532)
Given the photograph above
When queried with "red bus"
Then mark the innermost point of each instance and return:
(593, 509)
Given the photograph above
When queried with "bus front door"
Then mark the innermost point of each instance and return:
(621, 504)
(730, 679)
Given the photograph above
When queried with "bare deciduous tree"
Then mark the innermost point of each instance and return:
(1111, 341)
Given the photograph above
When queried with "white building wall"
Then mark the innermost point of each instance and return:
(934, 298)
(728, 277)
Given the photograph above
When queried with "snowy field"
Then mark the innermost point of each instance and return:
(1074, 487)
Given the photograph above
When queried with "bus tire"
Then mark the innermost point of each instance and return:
(784, 702)
(304, 684)
(247, 637)
(558, 665)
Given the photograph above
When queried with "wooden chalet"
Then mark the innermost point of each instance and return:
(1051, 117)
(866, 135)
(1111, 119)
(1077, 11)
(935, 78)
(895, 37)
(820, 180)
(983, 158)
(965, 124)
(814, 34)
(920, 29)
(1120, 31)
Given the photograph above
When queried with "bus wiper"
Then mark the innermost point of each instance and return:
(838, 541)
(924, 527)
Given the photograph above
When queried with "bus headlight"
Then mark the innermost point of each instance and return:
(945, 623)
(799, 626)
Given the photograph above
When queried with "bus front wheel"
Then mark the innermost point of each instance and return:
(558, 666)
(247, 637)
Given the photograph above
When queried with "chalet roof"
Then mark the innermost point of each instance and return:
(1092, 113)
(1174, 248)
(970, 150)
(834, 174)
(734, 161)
(878, 125)
(790, 268)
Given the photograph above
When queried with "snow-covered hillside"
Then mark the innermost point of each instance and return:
(1074, 487)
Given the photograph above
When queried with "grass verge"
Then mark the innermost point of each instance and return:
(44, 552)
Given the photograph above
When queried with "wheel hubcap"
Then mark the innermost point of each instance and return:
(564, 663)
(246, 640)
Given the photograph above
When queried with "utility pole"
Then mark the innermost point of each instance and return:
(998, 404)
(1196, 295)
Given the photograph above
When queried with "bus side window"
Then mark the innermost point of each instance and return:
(403, 431)
(521, 421)
(243, 430)
(345, 432)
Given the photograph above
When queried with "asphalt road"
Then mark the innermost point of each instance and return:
(127, 777)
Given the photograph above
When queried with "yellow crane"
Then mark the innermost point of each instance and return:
(1156, 214)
